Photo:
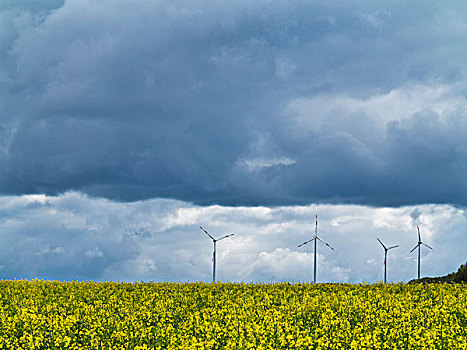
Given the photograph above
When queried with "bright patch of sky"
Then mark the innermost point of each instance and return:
(77, 237)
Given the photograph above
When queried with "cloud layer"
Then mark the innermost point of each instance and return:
(73, 236)
(236, 103)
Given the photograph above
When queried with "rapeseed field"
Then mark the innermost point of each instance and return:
(86, 315)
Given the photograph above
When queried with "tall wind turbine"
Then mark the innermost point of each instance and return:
(385, 256)
(418, 246)
(214, 252)
(315, 238)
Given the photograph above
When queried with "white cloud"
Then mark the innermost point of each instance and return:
(160, 240)
(367, 118)
(263, 153)
(259, 163)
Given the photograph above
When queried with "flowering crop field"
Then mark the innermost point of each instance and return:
(86, 315)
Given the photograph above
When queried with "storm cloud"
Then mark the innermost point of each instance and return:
(235, 102)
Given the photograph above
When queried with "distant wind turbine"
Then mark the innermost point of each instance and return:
(385, 256)
(315, 238)
(418, 246)
(214, 252)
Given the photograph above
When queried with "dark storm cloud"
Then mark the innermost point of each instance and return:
(280, 102)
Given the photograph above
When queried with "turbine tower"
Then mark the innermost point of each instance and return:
(214, 252)
(418, 246)
(315, 238)
(385, 256)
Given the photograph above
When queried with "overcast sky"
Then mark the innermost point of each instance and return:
(124, 125)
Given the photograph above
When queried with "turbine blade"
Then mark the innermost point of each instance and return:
(206, 232)
(414, 248)
(426, 245)
(394, 246)
(305, 242)
(381, 243)
(324, 242)
(226, 236)
(419, 237)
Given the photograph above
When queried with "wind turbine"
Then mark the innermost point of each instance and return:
(418, 246)
(385, 256)
(214, 252)
(315, 238)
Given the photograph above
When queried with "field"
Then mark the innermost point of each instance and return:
(85, 315)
